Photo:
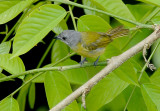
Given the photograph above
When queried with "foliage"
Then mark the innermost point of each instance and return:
(123, 89)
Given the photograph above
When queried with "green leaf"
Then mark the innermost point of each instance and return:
(5, 47)
(151, 95)
(94, 4)
(57, 88)
(154, 2)
(31, 95)
(116, 7)
(60, 27)
(156, 19)
(92, 23)
(104, 92)
(155, 58)
(13, 66)
(91, 71)
(36, 26)
(136, 102)
(155, 78)
(22, 95)
(139, 14)
(9, 104)
(59, 51)
(144, 78)
(10, 9)
(127, 73)
(74, 76)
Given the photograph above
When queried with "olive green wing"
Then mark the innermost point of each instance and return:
(94, 40)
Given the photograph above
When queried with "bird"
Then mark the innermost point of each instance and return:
(90, 44)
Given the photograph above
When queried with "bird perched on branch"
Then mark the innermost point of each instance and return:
(90, 44)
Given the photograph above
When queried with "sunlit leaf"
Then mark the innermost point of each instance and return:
(5, 47)
(60, 27)
(104, 92)
(75, 76)
(31, 95)
(9, 104)
(94, 4)
(36, 26)
(59, 50)
(57, 88)
(151, 95)
(13, 66)
(10, 9)
(92, 23)
(154, 2)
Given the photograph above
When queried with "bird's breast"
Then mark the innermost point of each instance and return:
(88, 53)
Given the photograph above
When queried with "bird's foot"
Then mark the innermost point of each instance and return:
(96, 62)
(82, 62)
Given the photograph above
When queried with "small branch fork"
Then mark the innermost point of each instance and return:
(114, 63)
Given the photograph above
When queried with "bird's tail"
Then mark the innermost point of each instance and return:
(117, 32)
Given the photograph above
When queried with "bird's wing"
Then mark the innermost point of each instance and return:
(94, 40)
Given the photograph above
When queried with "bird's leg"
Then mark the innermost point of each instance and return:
(82, 62)
(95, 63)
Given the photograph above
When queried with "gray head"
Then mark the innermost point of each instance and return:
(70, 37)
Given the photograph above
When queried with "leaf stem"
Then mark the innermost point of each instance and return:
(101, 11)
(68, 15)
(72, 16)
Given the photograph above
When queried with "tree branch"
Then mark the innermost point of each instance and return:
(114, 63)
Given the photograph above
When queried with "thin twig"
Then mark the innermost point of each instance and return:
(57, 68)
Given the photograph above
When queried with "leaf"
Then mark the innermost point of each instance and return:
(60, 27)
(13, 66)
(136, 102)
(116, 7)
(22, 95)
(59, 51)
(127, 73)
(144, 78)
(57, 88)
(31, 95)
(10, 9)
(155, 58)
(104, 92)
(139, 14)
(92, 23)
(94, 4)
(5, 47)
(151, 95)
(156, 19)
(155, 78)
(36, 26)
(154, 2)
(9, 104)
(74, 76)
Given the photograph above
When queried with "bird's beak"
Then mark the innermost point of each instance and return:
(56, 38)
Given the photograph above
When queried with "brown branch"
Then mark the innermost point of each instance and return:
(114, 63)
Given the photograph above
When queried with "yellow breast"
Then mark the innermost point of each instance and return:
(88, 53)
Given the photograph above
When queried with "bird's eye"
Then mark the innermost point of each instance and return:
(64, 38)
